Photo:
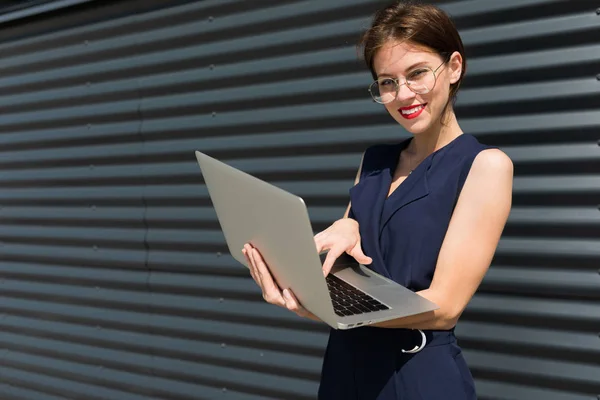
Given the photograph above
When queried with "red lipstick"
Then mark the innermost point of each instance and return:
(412, 112)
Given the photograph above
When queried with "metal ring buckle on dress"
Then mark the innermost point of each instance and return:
(417, 349)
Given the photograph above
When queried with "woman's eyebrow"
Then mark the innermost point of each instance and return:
(407, 69)
(417, 65)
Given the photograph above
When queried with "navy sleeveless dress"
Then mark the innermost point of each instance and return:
(403, 235)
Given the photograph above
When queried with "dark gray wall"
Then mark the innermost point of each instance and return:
(12, 10)
(115, 282)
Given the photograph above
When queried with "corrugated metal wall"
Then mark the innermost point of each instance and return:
(115, 282)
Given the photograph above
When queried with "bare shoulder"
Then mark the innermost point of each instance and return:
(487, 192)
(492, 163)
(490, 178)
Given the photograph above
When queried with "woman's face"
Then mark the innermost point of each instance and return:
(417, 113)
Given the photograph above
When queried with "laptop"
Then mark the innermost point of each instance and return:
(277, 223)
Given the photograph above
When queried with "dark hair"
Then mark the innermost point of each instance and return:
(421, 24)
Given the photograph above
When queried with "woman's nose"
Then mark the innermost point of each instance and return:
(404, 93)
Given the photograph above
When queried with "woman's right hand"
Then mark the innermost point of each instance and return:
(272, 293)
(341, 237)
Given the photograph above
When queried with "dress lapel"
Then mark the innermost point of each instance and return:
(413, 188)
(373, 210)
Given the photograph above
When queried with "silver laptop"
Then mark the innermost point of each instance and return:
(277, 224)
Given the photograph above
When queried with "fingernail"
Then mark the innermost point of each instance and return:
(286, 294)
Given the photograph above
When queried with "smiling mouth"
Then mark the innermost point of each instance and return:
(412, 111)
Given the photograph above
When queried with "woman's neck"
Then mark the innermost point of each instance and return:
(434, 139)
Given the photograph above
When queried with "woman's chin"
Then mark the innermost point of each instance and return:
(417, 128)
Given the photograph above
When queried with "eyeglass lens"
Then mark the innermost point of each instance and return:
(419, 81)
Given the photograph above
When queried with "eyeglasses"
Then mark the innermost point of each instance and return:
(420, 81)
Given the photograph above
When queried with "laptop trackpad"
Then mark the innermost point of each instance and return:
(358, 275)
(347, 268)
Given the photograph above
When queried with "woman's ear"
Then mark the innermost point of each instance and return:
(456, 64)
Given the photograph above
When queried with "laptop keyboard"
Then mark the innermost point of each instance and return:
(348, 300)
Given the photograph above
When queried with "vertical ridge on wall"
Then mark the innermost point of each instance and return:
(115, 280)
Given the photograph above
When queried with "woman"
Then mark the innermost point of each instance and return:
(427, 212)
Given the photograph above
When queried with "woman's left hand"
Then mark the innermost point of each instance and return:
(270, 290)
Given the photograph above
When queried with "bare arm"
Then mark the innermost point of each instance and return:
(470, 242)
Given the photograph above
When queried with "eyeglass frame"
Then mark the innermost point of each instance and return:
(398, 85)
